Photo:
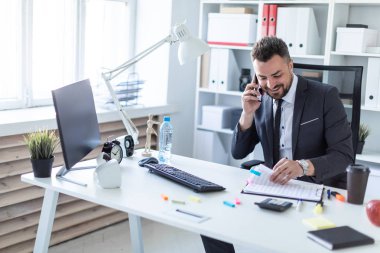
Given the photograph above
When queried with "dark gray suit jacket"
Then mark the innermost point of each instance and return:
(321, 133)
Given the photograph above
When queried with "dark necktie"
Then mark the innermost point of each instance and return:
(276, 133)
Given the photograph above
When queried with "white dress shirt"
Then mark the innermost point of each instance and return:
(286, 124)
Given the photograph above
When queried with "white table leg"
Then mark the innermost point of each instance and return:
(136, 235)
(46, 221)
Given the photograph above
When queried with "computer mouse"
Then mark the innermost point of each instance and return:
(147, 160)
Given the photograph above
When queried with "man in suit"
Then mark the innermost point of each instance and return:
(312, 138)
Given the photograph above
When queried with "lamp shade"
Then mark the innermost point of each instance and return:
(190, 47)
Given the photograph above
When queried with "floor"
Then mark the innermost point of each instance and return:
(158, 238)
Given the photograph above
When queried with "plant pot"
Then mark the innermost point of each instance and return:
(42, 168)
(359, 147)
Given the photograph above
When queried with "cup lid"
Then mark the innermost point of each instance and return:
(357, 168)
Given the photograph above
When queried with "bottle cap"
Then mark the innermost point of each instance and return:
(166, 118)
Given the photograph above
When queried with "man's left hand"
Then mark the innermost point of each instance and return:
(285, 170)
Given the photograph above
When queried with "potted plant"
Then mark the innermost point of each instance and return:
(41, 145)
(364, 131)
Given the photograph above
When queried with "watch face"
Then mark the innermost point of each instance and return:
(117, 153)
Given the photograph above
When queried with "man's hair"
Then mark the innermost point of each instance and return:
(267, 47)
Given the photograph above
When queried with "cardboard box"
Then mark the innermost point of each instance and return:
(355, 40)
(216, 116)
(236, 10)
(231, 29)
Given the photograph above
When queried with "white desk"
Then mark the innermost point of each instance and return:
(139, 196)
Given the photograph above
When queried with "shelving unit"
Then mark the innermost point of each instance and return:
(329, 15)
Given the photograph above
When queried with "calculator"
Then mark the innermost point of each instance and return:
(274, 204)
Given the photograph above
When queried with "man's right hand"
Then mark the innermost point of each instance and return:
(251, 101)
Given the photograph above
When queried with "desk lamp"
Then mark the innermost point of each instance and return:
(189, 48)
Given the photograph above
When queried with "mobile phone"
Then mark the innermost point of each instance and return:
(256, 81)
(274, 204)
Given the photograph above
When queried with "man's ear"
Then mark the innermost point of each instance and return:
(290, 64)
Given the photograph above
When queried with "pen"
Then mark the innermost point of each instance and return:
(189, 213)
(338, 196)
(178, 202)
(299, 204)
(328, 193)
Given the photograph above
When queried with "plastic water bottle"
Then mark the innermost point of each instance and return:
(166, 133)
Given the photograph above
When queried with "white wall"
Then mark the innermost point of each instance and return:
(153, 24)
(182, 81)
(176, 82)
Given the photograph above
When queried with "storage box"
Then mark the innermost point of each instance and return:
(355, 40)
(209, 147)
(216, 116)
(232, 29)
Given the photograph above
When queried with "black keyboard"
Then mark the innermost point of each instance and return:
(184, 178)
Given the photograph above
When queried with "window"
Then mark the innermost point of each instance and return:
(10, 51)
(47, 44)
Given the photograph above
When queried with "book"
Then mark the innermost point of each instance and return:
(294, 189)
(339, 237)
(318, 223)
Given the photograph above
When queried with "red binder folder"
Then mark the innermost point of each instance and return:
(272, 22)
(265, 20)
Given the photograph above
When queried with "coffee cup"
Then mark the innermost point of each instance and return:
(357, 177)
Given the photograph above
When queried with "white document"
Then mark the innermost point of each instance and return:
(294, 189)
(372, 91)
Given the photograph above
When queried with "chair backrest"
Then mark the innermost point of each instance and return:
(348, 80)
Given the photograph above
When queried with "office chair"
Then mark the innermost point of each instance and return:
(348, 81)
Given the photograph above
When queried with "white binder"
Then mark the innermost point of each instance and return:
(298, 28)
(286, 27)
(372, 90)
(307, 35)
(224, 72)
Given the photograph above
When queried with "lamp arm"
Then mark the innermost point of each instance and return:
(128, 124)
(108, 76)
(118, 70)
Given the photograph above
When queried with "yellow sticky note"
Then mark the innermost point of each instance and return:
(318, 223)
(194, 199)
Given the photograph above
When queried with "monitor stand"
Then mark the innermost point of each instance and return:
(63, 171)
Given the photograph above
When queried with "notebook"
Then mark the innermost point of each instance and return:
(339, 237)
(259, 184)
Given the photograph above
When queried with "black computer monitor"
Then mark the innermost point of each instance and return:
(77, 123)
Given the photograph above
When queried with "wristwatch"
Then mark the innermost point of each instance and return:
(304, 165)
